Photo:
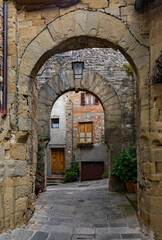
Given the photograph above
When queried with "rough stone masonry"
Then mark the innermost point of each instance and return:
(33, 37)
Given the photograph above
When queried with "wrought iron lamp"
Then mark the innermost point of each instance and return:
(78, 73)
(78, 69)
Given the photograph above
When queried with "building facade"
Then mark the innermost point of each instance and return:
(77, 129)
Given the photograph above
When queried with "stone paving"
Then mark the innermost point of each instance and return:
(80, 211)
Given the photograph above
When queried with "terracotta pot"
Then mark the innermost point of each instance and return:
(135, 188)
(70, 180)
(130, 187)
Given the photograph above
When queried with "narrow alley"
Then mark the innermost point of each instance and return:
(76, 211)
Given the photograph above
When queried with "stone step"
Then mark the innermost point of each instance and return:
(54, 180)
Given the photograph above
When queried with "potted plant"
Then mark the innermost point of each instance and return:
(125, 167)
(70, 176)
(73, 172)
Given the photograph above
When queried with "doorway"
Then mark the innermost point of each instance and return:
(57, 161)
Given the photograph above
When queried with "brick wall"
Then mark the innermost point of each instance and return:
(81, 113)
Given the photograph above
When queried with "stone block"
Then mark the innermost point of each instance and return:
(95, 4)
(107, 31)
(92, 23)
(156, 154)
(159, 167)
(68, 24)
(33, 15)
(19, 151)
(21, 181)
(154, 177)
(51, 13)
(21, 204)
(24, 124)
(113, 11)
(22, 137)
(20, 168)
(81, 22)
(21, 191)
(56, 30)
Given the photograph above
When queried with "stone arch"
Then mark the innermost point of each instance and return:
(74, 30)
(80, 29)
(91, 82)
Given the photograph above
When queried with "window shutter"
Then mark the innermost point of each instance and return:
(82, 99)
(96, 101)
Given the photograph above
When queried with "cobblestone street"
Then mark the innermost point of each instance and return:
(78, 211)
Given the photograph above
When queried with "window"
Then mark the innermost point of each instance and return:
(55, 123)
(96, 101)
(88, 99)
(82, 99)
(86, 132)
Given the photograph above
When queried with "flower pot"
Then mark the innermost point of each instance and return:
(135, 188)
(129, 186)
(70, 180)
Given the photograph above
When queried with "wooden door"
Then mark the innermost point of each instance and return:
(57, 161)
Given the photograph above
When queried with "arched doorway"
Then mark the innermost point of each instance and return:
(86, 29)
(91, 82)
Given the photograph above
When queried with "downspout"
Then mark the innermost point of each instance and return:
(4, 59)
(72, 128)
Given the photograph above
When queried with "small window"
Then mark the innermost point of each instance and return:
(96, 101)
(82, 99)
(92, 99)
(55, 123)
(87, 99)
(86, 132)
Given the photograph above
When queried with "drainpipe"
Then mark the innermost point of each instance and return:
(4, 59)
(72, 127)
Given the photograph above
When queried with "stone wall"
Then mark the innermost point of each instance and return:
(89, 24)
(110, 65)
(150, 149)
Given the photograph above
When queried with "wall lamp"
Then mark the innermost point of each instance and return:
(78, 73)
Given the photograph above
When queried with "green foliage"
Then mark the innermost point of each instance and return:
(74, 166)
(157, 71)
(104, 175)
(38, 180)
(125, 166)
(74, 170)
(128, 69)
(70, 176)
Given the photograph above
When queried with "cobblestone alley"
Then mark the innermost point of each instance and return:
(78, 211)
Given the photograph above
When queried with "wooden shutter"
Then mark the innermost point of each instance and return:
(96, 101)
(81, 132)
(89, 132)
(82, 99)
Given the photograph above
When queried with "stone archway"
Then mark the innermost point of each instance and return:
(75, 30)
(91, 82)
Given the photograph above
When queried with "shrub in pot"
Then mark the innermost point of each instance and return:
(73, 172)
(125, 166)
(70, 176)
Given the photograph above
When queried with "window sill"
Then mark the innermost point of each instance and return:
(85, 145)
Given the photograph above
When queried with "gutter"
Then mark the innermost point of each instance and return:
(4, 59)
